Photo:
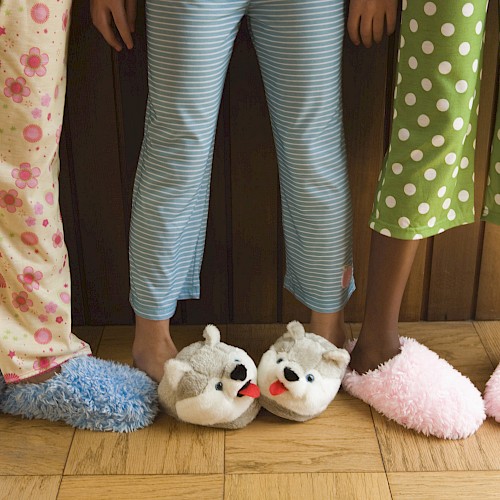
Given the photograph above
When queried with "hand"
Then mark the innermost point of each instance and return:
(366, 20)
(120, 12)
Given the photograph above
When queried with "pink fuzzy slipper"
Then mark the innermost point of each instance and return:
(420, 391)
(492, 395)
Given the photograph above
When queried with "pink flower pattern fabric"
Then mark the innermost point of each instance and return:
(35, 287)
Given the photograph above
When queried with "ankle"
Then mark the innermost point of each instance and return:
(330, 326)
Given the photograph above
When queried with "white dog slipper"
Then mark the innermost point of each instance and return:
(300, 374)
(211, 383)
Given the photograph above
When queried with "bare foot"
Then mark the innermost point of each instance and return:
(330, 326)
(152, 346)
(365, 357)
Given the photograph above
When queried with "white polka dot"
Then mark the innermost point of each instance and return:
(378, 195)
(486, 211)
(377, 214)
(471, 103)
(450, 158)
(418, 237)
(412, 62)
(444, 67)
(423, 120)
(497, 199)
(469, 128)
(430, 8)
(397, 168)
(443, 105)
(463, 195)
(390, 201)
(464, 48)
(458, 123)
(451, 214)
(395, 114)
(468, 10)
(400, 78)
(401, 43)
(426, 84)
(385, 232)
(497, 167)
(430, 174)
(479, 27)
(447, 29)
(404, 4)
(447, 203)
(441, 231)
(442, 191)
(461, 86)
(404, 222)
(432, 222)
(410, 189)
(372, 225)
(464, 163)
(413, 25)
(437, 141)
(427, 47)
(404, 134)
(410, 99)
(416, 155)
(498, 134)
(455, 172)
(423, 208)
(475, 64)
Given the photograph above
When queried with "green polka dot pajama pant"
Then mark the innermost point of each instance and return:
(427, 181)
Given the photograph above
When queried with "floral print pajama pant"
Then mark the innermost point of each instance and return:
(35, 288)
(427, 182)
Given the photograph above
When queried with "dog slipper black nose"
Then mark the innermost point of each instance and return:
(239, 373)
(290, 375)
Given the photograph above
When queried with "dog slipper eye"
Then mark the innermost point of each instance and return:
(218, 386)
(310, 377)
(279, 360)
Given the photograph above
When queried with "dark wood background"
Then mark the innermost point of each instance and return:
(456, 275)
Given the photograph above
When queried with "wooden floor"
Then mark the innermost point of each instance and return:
(349, 452)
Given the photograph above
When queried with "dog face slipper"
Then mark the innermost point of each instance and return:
(300, 374)
(420, 391)
(211, 383)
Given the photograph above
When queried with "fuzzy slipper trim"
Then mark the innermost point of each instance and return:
(420, 391)
(492, 395)
(88, 393)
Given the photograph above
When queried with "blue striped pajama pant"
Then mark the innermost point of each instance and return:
(299, 47)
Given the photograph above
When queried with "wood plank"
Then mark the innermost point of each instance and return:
(91, 122)
(166, 447)
(489, 333)
(488, 294)
(453, 281)
(29, 487)
(33, 447)
(254, 187)
(407, 451)
(445, 486)
(199, 487)
(348, 486)
(342, 439)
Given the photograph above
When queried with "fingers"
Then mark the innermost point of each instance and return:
(366, 30)
(353, 22)
(131, 8)
(121, 22)
(391, 17)
(102, 21)
(378, 27)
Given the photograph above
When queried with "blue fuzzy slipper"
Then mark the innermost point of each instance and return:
(88, 393)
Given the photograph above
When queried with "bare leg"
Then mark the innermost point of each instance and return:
(152, 346)
(390, 264)
(329, 325)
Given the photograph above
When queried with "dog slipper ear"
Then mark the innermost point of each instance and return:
(295, 330)
(339, 356)
(174, 371)
(211, 335)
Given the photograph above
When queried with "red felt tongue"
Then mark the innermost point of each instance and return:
(250, 390)
(277, 388)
